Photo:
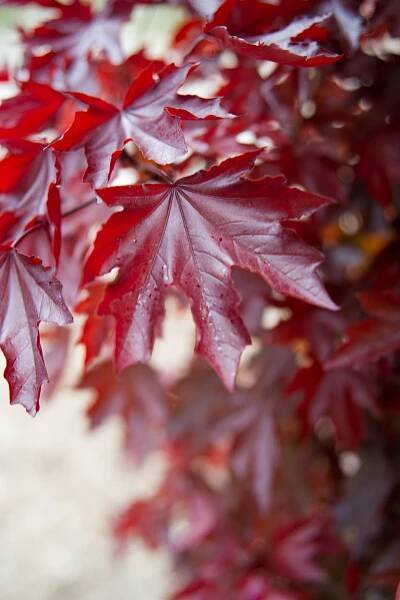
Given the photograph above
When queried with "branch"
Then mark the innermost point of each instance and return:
(154, 171)
(44, 222)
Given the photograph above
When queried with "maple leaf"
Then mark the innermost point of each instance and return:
(116, 79)
(295, 548)
(96, 328)
(199, 402)
(149, 115)
(153, 520)
(374, 337)
(29, 294)
(341, 394)
(31, 110)
(72, 35)
(190, 234)
(250, 420)
(205, 415)
(239, 523)
(294, 44)
(26, 173)
(29, 178)
(136, 396)
(317, 328)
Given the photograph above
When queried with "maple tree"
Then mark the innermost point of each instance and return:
(251, 172)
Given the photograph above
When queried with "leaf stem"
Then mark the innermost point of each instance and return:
(44, 222)
(149, 168)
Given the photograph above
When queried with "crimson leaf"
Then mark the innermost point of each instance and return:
(75, 32)
(96, 328)
(373, 337)
(190, 233)
(341, 394)
(29, 294)
(30, 110)
(29, 175)
(149, 115)
(294, 44)
(136, 396)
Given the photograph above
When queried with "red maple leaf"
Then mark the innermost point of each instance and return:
(237, 25)
(295, 548)
(29, 177)
(250, 420)
(317, 328)
(341, 394)
(206, 417)
(150, 115)
(154, 519)
(29, 294)
(190, 234)
(96, 328)
(72, 35)
(374, 337)
(31, 110)
(116, 79)
(136, 396)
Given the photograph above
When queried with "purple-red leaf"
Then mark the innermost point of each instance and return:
(29, 294)
(29, 175)
(340, 394)
(373, 337)
(75, 33)
(150, 115)
(96, 328)
(136, 396)
(296, 548)
(190, 234)
(293, 44)
(31, 110)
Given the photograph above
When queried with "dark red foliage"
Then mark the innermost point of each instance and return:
(189, 234)
(29, 294)
(268, 204)
(150, 115)
(137, 397)
(283, 34)
(34, 108)
(29, 175)
(375, 337)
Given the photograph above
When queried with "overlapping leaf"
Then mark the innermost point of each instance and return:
(150, 116)
(31, 110)
(73, 34)
(343, 395)
(137, 397)
(374, 337)
(29, 176)
(237, 25)
(29, 294)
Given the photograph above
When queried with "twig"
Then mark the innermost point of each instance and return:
(44, 223)
(149, 168)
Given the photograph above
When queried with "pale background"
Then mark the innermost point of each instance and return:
(60, 486)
